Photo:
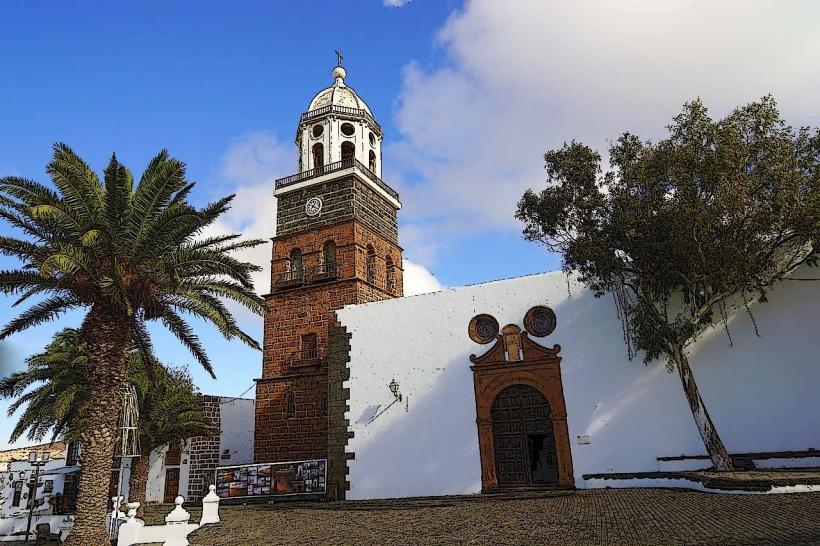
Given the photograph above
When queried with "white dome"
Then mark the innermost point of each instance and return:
(338, 94)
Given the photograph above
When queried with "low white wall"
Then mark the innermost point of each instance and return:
(761, 393)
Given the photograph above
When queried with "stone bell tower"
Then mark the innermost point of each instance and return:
(336, 244)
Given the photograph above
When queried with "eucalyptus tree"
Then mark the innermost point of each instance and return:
(687, 231)
(126, 255)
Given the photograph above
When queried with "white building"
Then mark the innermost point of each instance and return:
(619, 415)
(188, 468)
(184, 469)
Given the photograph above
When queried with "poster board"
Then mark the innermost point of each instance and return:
(272, 479)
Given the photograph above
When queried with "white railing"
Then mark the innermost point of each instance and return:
(177, 524)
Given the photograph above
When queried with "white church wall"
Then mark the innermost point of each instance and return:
(761, 392)
(237, 428)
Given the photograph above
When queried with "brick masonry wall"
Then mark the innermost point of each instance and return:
(204, 453)
(281, 437)
(346, 198)
(338, 356)
(355, 218)
(352, 240)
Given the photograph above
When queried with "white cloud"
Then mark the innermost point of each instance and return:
(253, 162)
(517, 82)
(419, 280)
(257, 158)
(396, 3)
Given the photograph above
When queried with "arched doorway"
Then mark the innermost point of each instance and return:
(523, 438)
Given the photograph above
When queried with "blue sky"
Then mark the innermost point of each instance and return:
(470, 96)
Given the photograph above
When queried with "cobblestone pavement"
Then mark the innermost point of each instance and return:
(600, 516)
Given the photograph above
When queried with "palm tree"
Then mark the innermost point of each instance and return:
(169, 403)
(60, 394)
(128, 255)
(170, 411)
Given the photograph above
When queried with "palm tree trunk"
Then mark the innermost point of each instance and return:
(138, 481)
(714, 445)
(108, 336)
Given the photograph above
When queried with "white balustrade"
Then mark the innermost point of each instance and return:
(177, 524)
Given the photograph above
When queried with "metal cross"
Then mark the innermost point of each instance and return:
(338, 57)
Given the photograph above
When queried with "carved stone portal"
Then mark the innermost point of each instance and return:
(521, 415)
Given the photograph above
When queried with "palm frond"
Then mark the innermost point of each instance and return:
(118, 187)
(17, 281)
(78, 184)
(18, 248)
(163, 178)
(44, 311)
(185, 334)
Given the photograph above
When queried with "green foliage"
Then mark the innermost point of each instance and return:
(55, 393)
(687, 230)
(169, 404)
(53, 389)
(135, 251)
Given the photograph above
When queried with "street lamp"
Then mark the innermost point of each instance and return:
(394, 388)
(36, 460)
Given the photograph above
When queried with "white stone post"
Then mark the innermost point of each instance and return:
(130, 530)
(114, 516)
(210, 507)
(176, 525)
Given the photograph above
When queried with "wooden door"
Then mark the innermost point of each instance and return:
(171, 485)
(522, 436)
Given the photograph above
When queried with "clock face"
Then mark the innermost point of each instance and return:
(313, 206)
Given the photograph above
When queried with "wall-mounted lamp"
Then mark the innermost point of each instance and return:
(394, 388)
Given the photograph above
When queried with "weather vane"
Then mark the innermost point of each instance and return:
(338, 57)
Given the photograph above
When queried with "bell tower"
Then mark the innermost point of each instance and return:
(336, 244)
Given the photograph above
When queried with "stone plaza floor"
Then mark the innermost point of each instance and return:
(599, 516)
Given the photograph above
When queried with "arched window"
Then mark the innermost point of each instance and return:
(391, 274)
(318, 155)
(310, 345)
(329, 255)
(323, 404)
(372, 164)
(296, 268)
(348, 150)
(371, 264)
(290, 404)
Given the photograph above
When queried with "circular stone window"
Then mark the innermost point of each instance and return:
(540, 321)
(348, 129)
(483, 329)
(318, 130)
(313, 206)
(372, 138)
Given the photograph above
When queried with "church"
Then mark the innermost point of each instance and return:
(515, 383)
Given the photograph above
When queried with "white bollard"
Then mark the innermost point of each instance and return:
(210, 507)
(176, 525)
